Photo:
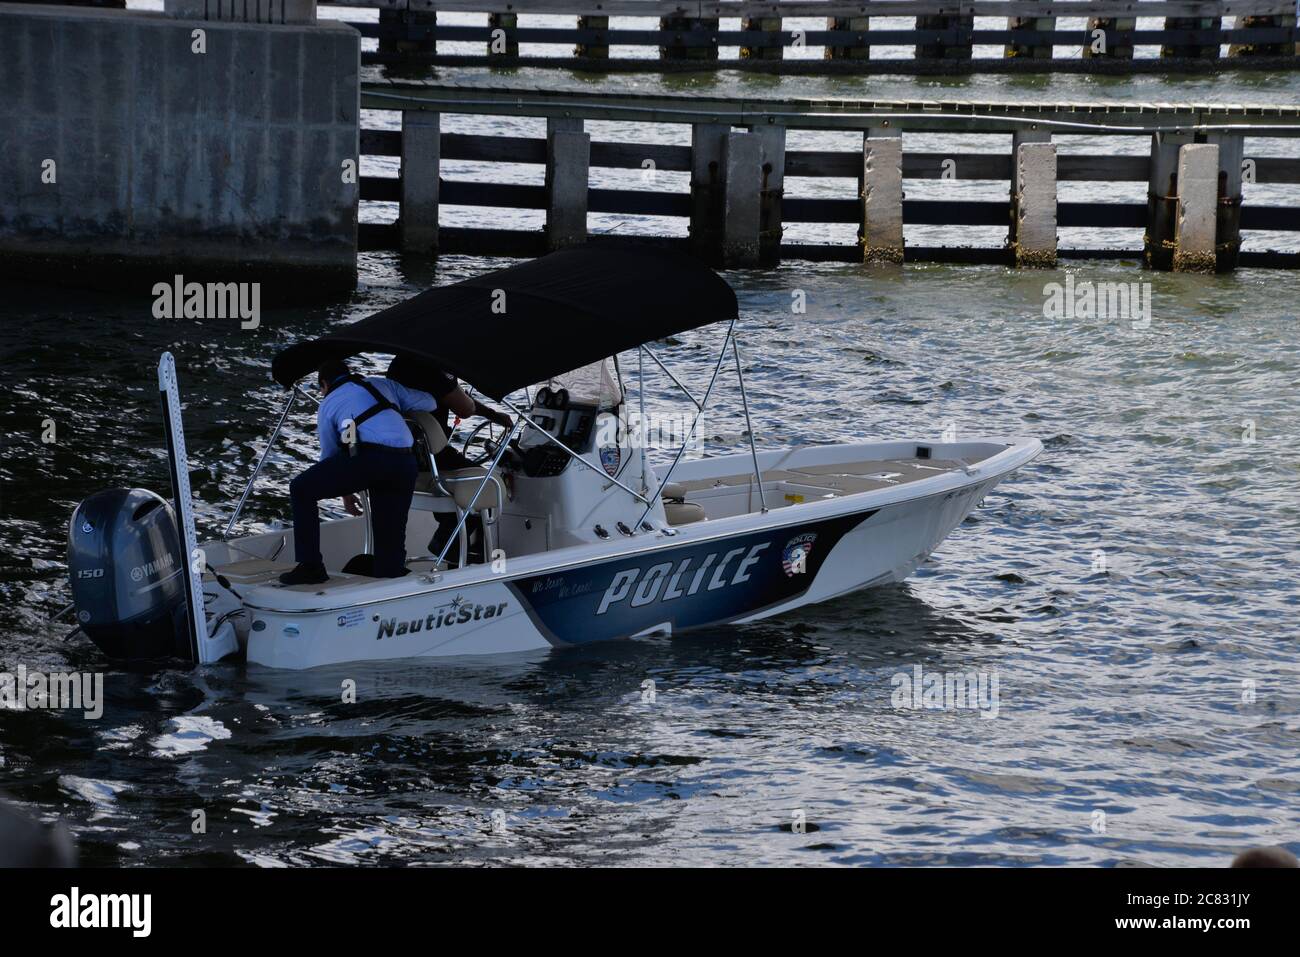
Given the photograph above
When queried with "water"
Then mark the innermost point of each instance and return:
(1133, 591)
(1121, 691)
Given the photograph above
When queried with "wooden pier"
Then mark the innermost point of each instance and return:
(944, 37)
(737, 205)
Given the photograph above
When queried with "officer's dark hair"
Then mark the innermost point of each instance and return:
(332, 369)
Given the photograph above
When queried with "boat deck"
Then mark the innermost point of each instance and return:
(844, 478)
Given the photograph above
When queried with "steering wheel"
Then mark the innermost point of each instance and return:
(491, 442)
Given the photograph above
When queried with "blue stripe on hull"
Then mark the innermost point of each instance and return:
(696, 584)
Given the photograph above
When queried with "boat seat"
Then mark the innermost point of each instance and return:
(683, 513)
(430, 439)
(252, 571)
(674, 491)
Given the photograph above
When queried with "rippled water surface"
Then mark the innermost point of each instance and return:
(1160, 691)
(1134, 591)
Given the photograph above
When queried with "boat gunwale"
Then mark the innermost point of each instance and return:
(1018, 453)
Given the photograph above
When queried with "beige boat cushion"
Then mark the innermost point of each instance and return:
(683, 513)
(434, 435)
(468, 480)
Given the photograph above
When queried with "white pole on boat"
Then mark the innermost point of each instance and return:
(270, 443)
(464, 516)
(640, 426)
(178, 464)
(722, 354)
(749, 427)
(669, 372)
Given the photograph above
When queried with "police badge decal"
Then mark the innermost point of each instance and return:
(794, 557)
(610, 457)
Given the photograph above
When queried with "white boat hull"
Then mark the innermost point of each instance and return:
(735, 569)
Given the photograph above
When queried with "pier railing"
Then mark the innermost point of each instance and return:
(943, 36)
(736, 208)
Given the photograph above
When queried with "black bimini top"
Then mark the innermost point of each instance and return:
(517, 326)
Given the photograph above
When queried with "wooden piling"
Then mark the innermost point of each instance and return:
(1198, 200)
(418, 219)
(1227, 232)
(706, 190)
(680, 26)
(771, 191)
(764, 25)
(1033, 51)
(498, 45)
(880, 232)
(1196, 51)
(1264, 49)
(568, 167)
(401, 22)
(958, 49)
(1162, 200)
(1033, 208)
(592, 51)
(850, 52)
(1110, 27)
(741, 160)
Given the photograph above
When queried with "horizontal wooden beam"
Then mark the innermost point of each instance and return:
(758, 39)
(916, 212)
(815, 164)
(832, 8)
(1096, 118)
(520, 242)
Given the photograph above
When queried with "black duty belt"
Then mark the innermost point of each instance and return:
(375, 447)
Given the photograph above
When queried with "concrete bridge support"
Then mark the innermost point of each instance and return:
(134, 146)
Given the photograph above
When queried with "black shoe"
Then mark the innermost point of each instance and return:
(305, 573)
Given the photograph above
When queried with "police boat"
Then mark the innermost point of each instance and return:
(582, 539)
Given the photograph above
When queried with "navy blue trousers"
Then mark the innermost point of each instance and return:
(389, 478)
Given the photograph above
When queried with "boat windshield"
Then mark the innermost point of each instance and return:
(592, 384)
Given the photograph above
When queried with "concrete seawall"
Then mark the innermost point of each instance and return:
(126, 155)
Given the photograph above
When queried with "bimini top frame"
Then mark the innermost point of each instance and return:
(592, 302)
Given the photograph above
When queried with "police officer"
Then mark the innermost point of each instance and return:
(365, 445)
(427, 377)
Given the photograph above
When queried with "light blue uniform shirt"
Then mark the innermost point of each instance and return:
(349, 400)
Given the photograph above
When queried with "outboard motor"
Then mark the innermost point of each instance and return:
(124, 559)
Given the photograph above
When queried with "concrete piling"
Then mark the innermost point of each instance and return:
(771, 140)
(742, 155)
(880, 233)
(1227, 233)
(503, 43)
(1196, 51)
(854, 24)
(421, 142)
(568, 167)
(396, 27)
(676, 49)
(764, 25)
(945, 49)
(1162, 200)
(1033, 208)
(706, 190)
(1102, 45)
(1197, 221)
(1264, 49)
(592, 51)
(1033, 51)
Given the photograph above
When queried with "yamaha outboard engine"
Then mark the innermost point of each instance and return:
(124, 559)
